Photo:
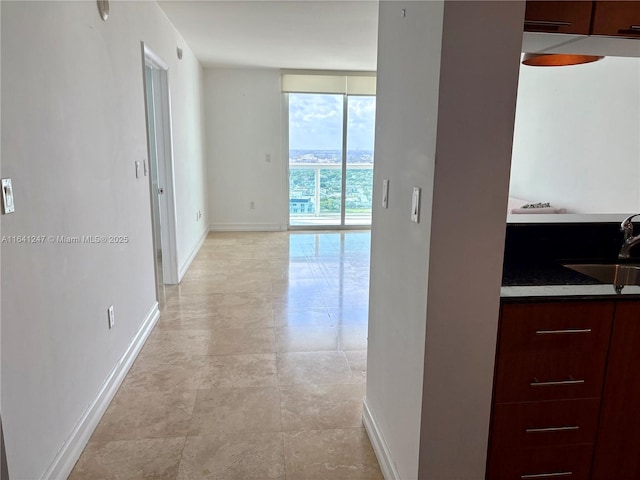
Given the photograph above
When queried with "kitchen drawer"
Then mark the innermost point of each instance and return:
(541, 375)
(550, 463)
(581, 327)
(544, 424)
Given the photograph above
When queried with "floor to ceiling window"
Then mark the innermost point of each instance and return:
(331, 142)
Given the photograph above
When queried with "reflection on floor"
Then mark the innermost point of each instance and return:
(256, 369)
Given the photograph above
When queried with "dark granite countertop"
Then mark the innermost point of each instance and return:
(551, 281)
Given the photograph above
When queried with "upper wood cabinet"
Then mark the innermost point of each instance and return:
(611, 18)
(616, 18)
(559, 17)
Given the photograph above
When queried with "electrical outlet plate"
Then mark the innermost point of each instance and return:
(111, 316)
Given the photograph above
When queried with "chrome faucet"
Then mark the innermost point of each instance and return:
(628, 241)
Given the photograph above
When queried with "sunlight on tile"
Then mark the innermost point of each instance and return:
(255, 370)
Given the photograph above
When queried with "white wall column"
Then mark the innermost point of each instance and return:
(447, 83)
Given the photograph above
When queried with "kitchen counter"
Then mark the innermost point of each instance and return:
(530, 293)
(543, 281)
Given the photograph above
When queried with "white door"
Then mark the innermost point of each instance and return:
(160, 171)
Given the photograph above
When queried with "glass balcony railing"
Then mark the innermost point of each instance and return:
(315, 194)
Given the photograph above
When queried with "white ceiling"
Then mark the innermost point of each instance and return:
(293, 34)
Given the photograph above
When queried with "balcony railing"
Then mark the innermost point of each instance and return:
(315, 194)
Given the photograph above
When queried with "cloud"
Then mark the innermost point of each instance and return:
(315, 122)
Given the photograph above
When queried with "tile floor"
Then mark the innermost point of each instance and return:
(256, 369)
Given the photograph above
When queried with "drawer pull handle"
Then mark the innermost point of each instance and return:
(547, 475)
(552, 429)
(554, 383)
(560, 332)
(634, 27)
(547, 23)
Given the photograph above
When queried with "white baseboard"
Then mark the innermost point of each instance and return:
(245, 227)
(187, 263)
(71, 450)
(380, 447)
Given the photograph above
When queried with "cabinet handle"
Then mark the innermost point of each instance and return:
(552, 429)
(537, 383)
(632, 30)
(547, 23)
(559, 332)
(547, 475)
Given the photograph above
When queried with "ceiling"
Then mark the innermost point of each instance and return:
(294, 34)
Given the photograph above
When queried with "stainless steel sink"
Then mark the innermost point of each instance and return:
(617, 274)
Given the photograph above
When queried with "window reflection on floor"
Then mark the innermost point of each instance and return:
(256, 368)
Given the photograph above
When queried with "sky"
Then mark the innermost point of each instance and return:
(315, 122)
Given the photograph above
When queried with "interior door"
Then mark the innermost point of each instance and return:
(154, 172)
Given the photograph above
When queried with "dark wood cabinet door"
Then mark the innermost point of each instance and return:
(617, 19)
(617, 453)
(558, 17)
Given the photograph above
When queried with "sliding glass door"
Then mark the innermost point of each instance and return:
(330, 159)
(358, 192)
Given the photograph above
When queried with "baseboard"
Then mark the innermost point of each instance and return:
(68, 455)
(187, 263)
(380, 447)
(245, 227)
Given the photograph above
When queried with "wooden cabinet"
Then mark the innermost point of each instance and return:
(549, 374)
(616, 454)
(611, 18)
(616, 19)
(558, 17)
(566, 393)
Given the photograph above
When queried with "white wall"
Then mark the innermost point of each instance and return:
(73, 124)
(577, 136)
(190, 175)
(243, 120)
(445, 111)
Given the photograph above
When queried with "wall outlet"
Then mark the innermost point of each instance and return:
(267, 158)
(111, 317)
(252, 205)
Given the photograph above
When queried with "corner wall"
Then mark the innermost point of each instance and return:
(447, 82)
(73, 124)
(577, 136)
(243, 119)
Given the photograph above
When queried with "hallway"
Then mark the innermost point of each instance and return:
(255, 370)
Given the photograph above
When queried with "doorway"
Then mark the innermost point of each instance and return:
(160, 170)
(331, 141)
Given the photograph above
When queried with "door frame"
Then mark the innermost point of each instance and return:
(168, 217)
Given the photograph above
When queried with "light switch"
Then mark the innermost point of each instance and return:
(385, 193)
(137, 169)
(7, 197)
(415, 205)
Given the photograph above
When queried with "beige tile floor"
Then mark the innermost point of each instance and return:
(255, 370)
